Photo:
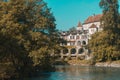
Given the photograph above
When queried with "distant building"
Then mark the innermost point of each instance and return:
(92, 24)
(78, 38)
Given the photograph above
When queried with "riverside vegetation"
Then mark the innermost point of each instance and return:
(105, 45)
(28, 36)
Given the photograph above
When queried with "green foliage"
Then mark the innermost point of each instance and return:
(110, 17)
(28, 34)
(72, 29)
(105, 45)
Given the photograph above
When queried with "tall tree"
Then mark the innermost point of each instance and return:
(28, 34)
(105, 45)
(110, 17)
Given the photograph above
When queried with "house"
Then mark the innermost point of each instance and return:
(92, 24)
(78, 38)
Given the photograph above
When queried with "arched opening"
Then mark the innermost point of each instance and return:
(84, 42)
(78, 43)
(73, 51)
(80, 51)
(56, 54)
(65, 51)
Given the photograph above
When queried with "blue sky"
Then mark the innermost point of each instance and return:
(69, 12)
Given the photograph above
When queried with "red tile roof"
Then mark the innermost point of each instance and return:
(79, 24)
(94, 18)
(93, 26)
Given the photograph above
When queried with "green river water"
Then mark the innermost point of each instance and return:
(80, 73)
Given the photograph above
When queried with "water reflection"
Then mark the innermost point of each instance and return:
(81, 73)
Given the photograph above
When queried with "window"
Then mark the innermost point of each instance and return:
(78, 43)
(72, 37)
(65, 51)
(73, 51)
(92, 30)
(77, 37)
(84, 43)
(81, 51)
(84, 37)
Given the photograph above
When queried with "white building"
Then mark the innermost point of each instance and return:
(78, 39)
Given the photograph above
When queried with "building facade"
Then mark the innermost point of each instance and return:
(77, 40)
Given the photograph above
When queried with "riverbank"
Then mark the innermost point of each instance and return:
(108, 64)
(98, 64)
(79, 62)
(8, 71)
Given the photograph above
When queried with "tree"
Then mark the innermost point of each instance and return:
(110, 17)
(28, 34)
(105, 45)
(72, 29)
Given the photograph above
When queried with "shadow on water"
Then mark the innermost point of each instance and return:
(80, 73)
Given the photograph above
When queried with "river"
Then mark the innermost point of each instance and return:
(80, 73)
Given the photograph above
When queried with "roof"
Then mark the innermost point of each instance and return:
(66, 33)
(93, 26)
(79, 24)
(95, 18)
